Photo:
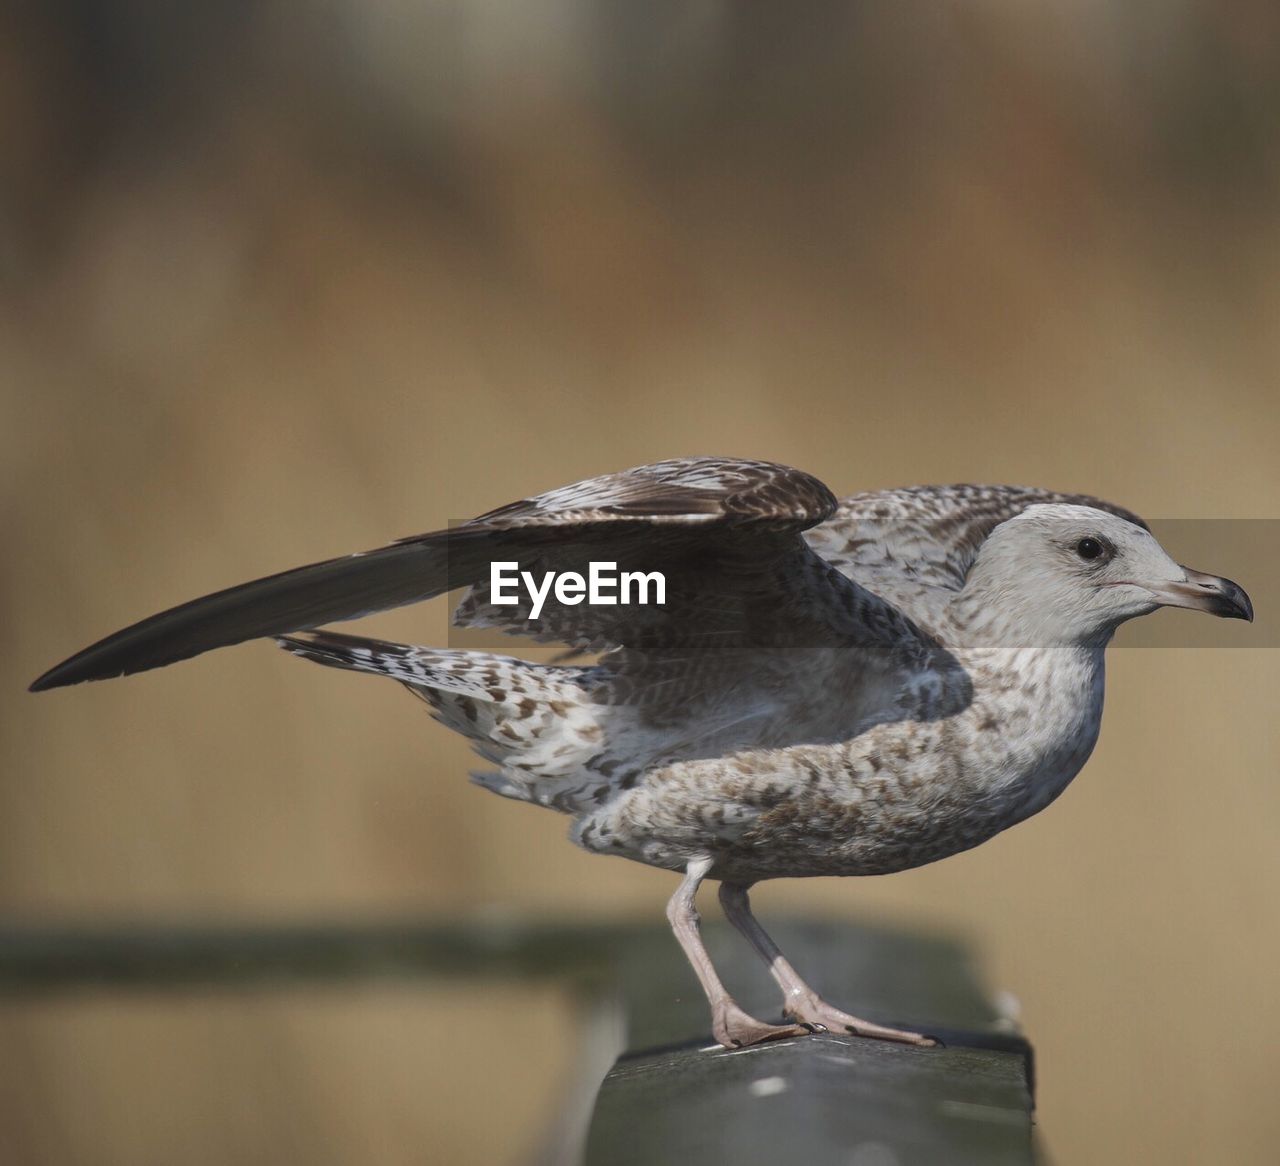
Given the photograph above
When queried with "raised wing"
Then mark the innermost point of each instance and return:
(726, 533)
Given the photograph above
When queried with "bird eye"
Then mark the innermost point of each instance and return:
(1089, 548)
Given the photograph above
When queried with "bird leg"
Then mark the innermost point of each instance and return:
(801, 1002)
(730, 1025)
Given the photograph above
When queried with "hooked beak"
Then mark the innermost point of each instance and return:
(1201, 592)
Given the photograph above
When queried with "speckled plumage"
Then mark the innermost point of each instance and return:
(831, 688)
(787, 721)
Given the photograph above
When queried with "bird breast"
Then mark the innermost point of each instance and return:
(898, 795)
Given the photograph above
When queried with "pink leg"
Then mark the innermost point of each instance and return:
(730, 1025)
(800, 1002)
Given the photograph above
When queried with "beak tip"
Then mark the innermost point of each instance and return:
(1217, 596)
(1236, 603)
(1233, 602)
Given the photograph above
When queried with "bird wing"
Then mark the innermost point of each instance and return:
(914, 546)
(726, 533)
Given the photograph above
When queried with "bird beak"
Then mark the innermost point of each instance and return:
(1201, 592)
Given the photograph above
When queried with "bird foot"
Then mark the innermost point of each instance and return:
(736, 1029)
(818, 1014)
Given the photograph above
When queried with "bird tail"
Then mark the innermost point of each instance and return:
(437, 669)
(534, 721)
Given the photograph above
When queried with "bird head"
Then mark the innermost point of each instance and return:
(1061, 574)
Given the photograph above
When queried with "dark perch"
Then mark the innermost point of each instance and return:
(824, 1099)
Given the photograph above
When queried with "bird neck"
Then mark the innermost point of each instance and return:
(1038, 712)
(995, 616)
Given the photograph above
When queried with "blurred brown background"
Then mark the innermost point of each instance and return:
(281, 281)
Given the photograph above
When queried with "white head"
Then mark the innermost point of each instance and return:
(1060, 574)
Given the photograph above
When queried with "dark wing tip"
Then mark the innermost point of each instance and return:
(78, 669)
(332, 590)
(47, 681)
(94, 663)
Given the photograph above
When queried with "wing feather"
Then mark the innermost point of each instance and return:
(729, 532)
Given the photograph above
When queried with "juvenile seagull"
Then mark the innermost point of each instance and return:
(831, 688)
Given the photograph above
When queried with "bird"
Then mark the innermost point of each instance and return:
(827, 687)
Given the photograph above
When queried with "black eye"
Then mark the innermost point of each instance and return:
(1090, 548)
